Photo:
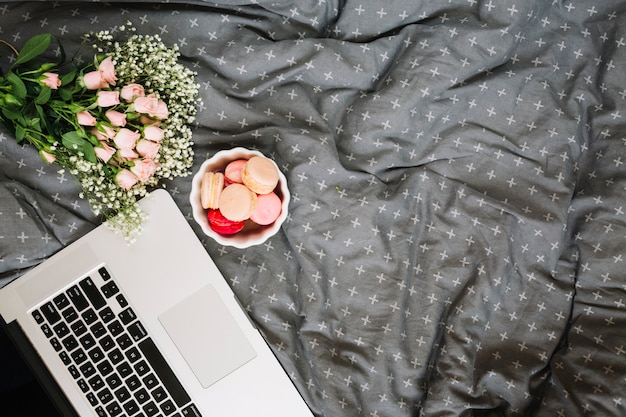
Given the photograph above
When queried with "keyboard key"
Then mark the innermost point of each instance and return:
(137, 331)
(121, 300)
(90, 317)
(70, 343)
(96, 383)
(56, 345)
(100, 411)
(150, 381)
(115, 327)
(77, 298)
(92, 292)
(83, 385)
(87, 341)
(107, 343)
(105, 367)
(39, 318)
(79, 356)
(98, 330)
(114, 409)
(159, 394)
(133, 354)
(109, 289)
(131, 407)
(105, 395)
(150, 409)
(87, 369)
(50, 312)
(46, 330)
(127, 316)
(96, 354)
(94, 401)
(106, 314)
(61, 329)
(113, 381)
(168, 407)
(124, 369)
(165, 373)
(65, 358)
(124, 341)
(73, 371)
(141, 368)
(142, 396)
(61, 301)
(104, 273)
(69, 314)
(122, 394)
(133, 382)
(191, 411)
(78, 327)
(115, 356)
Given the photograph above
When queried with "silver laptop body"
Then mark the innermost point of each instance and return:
(146, 329)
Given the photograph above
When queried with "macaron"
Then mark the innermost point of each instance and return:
(222, 225)
(260, 175)
(237, 202)
(232, 172)
(268, 208)
(211, 189)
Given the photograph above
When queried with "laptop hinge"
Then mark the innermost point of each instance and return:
(38, 368)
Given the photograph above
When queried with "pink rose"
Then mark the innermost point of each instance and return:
(126, 138)
(116, 118)
(47, 156)
(51, 80)
(144, 169)
(125, 179)
(85, 118)
(147, 148)
(153, 133)
(104, 132)
(131, 91)
(151, 106)
(107, 69)
(93, 80)
(104, 152)
(108, 98)
(128, 154)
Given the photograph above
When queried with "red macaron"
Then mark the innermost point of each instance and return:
(222, 225)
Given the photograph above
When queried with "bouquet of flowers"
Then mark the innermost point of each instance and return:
(119, 124)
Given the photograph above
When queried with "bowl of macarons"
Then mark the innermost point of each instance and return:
(239, 197)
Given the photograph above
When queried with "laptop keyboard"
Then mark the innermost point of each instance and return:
(108, 352)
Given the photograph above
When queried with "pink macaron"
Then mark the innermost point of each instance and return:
(232, 172)
(268, 208)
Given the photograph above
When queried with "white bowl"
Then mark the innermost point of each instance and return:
(252, 234)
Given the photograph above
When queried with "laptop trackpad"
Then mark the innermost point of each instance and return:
(207, 336)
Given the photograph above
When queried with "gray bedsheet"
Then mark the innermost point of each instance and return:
(455, 243)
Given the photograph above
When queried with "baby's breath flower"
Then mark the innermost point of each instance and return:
(144, 60)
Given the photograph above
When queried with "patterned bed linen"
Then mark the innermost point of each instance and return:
(455, 239)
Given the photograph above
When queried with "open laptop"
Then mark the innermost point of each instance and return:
(144, 329)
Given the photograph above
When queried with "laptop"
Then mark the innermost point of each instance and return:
(145, 329)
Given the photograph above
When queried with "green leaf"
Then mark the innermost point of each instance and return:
(90, 154)
(65, 93)
(68, 78)
(11, 112)
(44, 96)
(34, 47)
(73, 141)
(19, 133)
(19, 89)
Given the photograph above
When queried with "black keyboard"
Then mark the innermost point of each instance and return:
(108, 352)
